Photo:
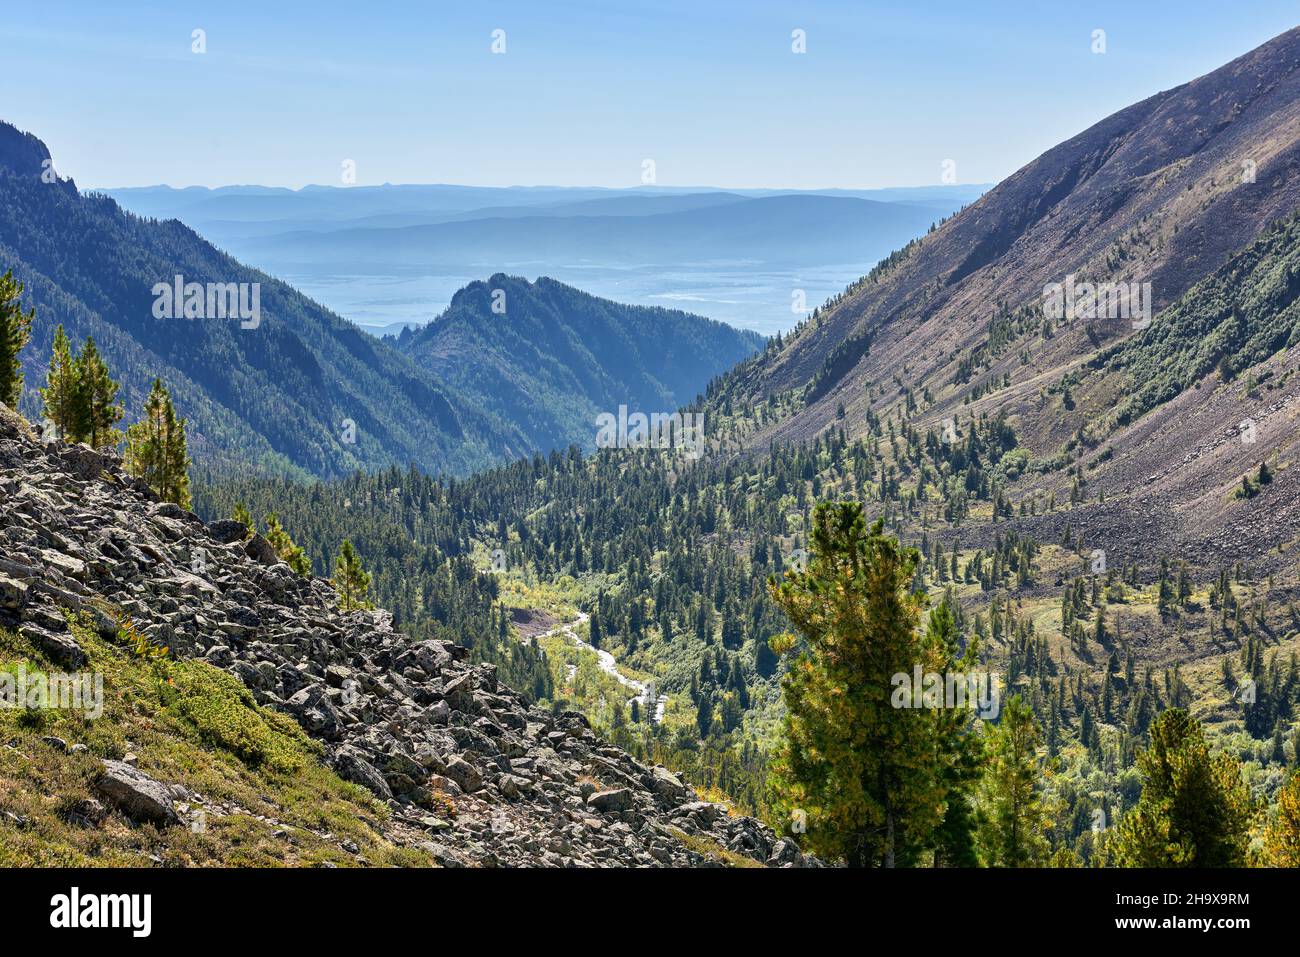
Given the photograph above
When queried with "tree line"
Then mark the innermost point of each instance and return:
(80, 402)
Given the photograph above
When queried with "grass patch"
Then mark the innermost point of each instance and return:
(264, 797)
(707, 847)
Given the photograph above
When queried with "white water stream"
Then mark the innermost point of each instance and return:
(608, 664)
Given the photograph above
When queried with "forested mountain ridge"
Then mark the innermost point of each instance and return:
(1185, 198)
(550, 358)
(301, 390)
(276, 395)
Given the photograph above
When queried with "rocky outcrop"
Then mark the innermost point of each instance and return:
(136, 795)
(473, 775)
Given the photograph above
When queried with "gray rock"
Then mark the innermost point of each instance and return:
(228, 531)
(460, 692)
(467, 777)
(83, 461)
(313, 710)
(13, 594)
(439, 712)
(260, 550)
(785, 852)
(668, 785)
(619, 799)
(135, 794)
(352, 766)
(62, 649)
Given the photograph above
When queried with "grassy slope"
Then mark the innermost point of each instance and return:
(266, 798)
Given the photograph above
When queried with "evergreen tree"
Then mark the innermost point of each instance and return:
(1282, 836)
(284, 546)
(60, 394)
(1194, 810)
(96, 410)
(862, 770)
(765, 659)
(704, 713)
(958, 751)
(155, 448)
(241, 514)
(351, 581)
(1014, 823)
(15, 331)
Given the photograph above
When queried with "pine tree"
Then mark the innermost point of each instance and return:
(958, 751)
(1194, 810)
(765, 659)
(60, 394)
(96, 410)
(862, 771)
(241, 514)
(704, 713)
(1282, 836)
(15, 331)
(1012, 831)
(284, 546)
(155, 448)
(351, 581)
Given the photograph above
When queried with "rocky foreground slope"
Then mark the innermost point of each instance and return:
(472, 774)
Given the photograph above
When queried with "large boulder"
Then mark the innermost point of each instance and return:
(431, 656)
(314, 712)
(83, 461)
(135, 794)
(13, 593)
(59, 648)
(667, 785)
(227, 531)
(786, 852)
(619, 799)
(260, 550)
(466, 776)
(352, 766)
(176, 513)
(459, 692)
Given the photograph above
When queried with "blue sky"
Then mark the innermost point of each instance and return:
(588, 90)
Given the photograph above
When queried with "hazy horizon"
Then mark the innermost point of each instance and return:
(105, 187)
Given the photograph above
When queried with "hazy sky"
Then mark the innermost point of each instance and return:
(586, 91)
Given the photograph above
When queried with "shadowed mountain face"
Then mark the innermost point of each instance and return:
(290, 390)
(1163, 192)
(551, 358)
(277, 394)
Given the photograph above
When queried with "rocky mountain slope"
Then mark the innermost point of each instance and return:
(1163, 192)
(1183, 191)
(466, 772)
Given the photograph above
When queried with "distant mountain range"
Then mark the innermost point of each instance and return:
(306, 391)
(391, 255)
